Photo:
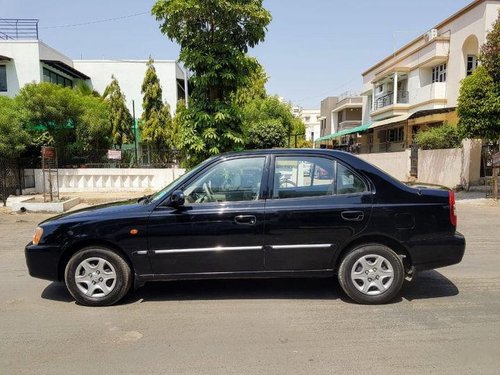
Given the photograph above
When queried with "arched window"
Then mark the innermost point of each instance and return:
(470, 50)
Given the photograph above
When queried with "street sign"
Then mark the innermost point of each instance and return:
(48, 153)
(495, 160)
(115, 154)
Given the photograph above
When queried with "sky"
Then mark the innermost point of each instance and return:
(313, 48)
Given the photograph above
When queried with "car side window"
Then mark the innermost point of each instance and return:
(228, 181)
(348, 182)
(303, 176)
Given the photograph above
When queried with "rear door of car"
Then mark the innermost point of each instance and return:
(315, 205)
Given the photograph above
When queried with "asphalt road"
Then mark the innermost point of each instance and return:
(446, 321)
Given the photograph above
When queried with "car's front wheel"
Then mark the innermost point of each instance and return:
(371, 274)
(96, 276)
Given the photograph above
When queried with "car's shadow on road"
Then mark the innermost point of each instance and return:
(429, 284)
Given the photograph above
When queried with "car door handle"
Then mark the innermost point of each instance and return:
(352, 215)
(245, 219)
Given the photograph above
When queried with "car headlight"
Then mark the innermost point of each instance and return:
(37, 235)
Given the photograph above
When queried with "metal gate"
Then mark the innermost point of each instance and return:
(10, 181)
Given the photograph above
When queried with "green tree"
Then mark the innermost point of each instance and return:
(440, 137)
(156, 120)
(272, 112)
(267, 134)
(479, 106)
(13, 138)
(93, 129)
(479, 100)
(298, 134)
(254, 87)
(119, 115)
(158, 133)
(214, 37)
(490, 52)
(49, 107)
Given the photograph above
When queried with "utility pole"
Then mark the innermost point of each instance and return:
(135, 132)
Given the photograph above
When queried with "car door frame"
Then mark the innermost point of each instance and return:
(332, 249)
(162, 208)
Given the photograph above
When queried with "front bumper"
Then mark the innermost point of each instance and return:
(43, 261)
(437, 252)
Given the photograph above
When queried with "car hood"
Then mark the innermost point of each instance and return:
(101, 210)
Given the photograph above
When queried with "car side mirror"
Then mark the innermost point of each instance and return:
(177, 198)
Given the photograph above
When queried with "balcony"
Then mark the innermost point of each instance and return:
(388, 99)
(17, 29)
(348, 124)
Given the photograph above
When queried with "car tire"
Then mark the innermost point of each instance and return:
(371, 274)
(97, 276)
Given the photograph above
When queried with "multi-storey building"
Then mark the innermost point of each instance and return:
(418, 85)
(344, 115)
(325, 114)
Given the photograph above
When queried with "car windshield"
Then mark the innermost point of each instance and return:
(168, 189)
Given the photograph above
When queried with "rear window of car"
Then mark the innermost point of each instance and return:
(306, 176)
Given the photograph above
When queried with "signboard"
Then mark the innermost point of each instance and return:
(48, 153)
(115, 154)
(495, 160)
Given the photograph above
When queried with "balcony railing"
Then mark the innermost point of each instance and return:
(15, 29)
(388, 99)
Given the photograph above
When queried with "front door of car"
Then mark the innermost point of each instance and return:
(220, 226)
(316, 205)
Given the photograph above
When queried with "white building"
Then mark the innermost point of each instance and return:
(29, 60)
(130, 74)
(310, 117)
(418, 85)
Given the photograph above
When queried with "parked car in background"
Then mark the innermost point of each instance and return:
(256, 214)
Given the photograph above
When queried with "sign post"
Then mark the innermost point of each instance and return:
(114, 154)
(50, 170)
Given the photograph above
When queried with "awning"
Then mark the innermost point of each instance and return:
(341, 133)
(65, 68)
(4, 58)
(391, 120)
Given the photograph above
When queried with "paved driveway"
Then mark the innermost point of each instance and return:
(446, 321)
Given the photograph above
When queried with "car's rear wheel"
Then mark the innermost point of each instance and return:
(97, 276)
(371, 274)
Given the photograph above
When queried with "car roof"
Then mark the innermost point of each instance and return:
(277, 151)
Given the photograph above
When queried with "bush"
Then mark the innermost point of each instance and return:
(444, 136)
(267, 134)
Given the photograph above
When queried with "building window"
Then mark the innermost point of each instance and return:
(395, 135)
(379, 89)
(312, 136)
(471, 64)
(439, 73)
(52, 77)
(3, 78)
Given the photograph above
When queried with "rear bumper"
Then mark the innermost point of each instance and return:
(437, 252)
(42, 261)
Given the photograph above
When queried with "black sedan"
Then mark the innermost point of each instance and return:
(260, 214)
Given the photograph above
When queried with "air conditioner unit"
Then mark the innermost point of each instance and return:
(431, 34)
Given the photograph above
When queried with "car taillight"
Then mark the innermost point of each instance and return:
(453, 211)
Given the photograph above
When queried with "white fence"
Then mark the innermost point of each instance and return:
(110, 179)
